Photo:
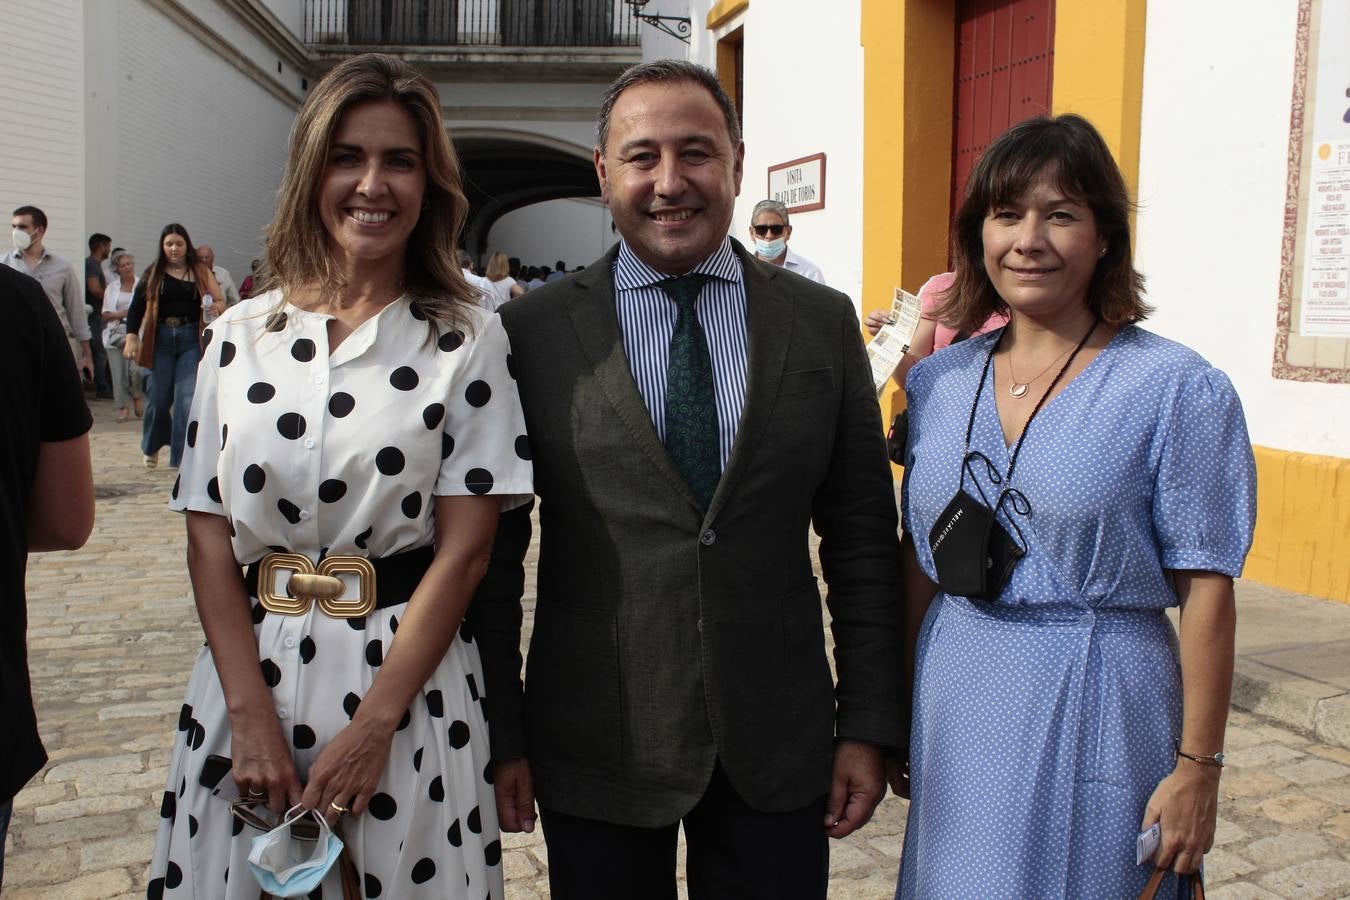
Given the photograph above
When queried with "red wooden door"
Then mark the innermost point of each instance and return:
(1004, 73)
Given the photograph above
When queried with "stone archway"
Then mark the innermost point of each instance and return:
(506, 170)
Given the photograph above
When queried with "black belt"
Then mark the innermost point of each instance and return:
(395, 577)
(177, 321)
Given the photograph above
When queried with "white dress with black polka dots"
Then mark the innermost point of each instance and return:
(1043, 721)
(343, 454)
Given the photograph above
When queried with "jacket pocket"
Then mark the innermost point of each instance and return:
(807, 381)
(573, 715)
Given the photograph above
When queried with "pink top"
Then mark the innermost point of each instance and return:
(929, 295)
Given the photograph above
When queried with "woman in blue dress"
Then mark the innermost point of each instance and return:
(1069, 478)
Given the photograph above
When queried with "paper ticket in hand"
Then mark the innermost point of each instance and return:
(1147, 844)
(889, 346)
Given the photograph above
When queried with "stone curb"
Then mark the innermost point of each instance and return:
(1306, 704)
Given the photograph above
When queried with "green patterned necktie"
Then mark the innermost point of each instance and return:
(691, 406)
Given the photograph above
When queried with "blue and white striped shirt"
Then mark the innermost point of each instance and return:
(647, 321)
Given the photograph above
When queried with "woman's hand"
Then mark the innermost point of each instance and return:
(349, 768)
(875, 319)
(131, 347)
(261, 760)
(217, 307)
(1186, 804)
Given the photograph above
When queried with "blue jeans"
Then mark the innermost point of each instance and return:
(5, 809)
(177, 352)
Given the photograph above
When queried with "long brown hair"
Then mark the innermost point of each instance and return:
(296, 254)
(153, 276)
(1069, 150)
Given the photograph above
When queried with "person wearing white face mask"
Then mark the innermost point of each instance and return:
(58, 278)
(770, 232)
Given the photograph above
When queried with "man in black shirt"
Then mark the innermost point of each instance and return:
(100, 245)
(46, 499)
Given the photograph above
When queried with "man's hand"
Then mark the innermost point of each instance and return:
(897, 776)
(513, 786)
(86, 365)
(858, 785)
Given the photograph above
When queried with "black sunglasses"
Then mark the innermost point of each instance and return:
(766, 230)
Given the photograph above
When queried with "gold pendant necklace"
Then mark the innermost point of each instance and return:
(1018, 389)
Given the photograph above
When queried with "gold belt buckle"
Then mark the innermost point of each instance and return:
(309, 584)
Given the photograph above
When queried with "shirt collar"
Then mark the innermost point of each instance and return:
(631, 272)
(18, 255)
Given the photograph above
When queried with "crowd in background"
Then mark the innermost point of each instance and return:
(504, 278)
(101, 316)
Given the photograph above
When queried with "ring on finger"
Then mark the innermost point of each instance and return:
(337, 808)
(256, 792)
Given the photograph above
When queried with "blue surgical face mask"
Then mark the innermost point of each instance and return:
(285, 867)
(770, 249)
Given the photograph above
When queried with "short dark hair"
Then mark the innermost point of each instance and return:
(1068, 149)
(38, 216)
(667, 70)
(560, 266)
(97, 239)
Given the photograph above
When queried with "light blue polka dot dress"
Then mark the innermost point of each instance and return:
(1043, 721)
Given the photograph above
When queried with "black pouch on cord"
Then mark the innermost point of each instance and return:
(972, 553)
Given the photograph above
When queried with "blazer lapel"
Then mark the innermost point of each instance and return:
(768, 325)
(596, 321)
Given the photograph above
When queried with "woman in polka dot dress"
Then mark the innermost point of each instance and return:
(1048, 704)
(364, 410)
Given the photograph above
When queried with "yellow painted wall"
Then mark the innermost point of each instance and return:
(1099, 72)
(1302, 523)
(908, 59)
(724, 11)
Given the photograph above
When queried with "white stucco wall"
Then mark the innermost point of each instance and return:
(794, 110)
(576, 231)
(179, 134)
(1215, 133)
(42, 120)
(656, 44)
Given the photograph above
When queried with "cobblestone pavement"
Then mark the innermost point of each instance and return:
(113, 633)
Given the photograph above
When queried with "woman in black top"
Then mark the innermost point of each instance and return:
(163, 335)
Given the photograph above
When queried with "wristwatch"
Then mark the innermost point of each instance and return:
(1216, 760)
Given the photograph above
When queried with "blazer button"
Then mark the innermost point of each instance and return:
(708, 538)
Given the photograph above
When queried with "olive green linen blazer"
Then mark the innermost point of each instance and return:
(667, 637)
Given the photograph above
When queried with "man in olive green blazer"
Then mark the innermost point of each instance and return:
(677, 670)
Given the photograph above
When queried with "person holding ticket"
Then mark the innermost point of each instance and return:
(931, 335)
(1068, 478)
